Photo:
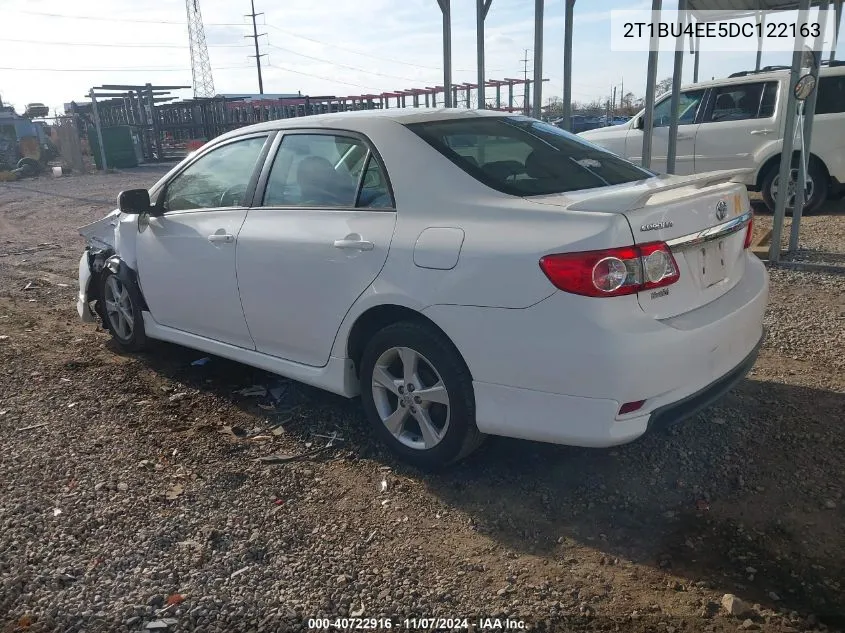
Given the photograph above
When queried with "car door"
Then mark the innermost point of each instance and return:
(738, 122)
(690, 104)
(316, 238)
(186, 251)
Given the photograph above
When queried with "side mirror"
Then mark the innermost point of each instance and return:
(134, 201)
(640, 123)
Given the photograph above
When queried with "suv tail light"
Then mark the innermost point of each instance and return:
(612, 272)
(749, 232)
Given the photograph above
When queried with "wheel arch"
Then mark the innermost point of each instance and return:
(775, 159)
(379, 316)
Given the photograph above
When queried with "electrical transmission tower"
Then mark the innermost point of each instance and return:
(200, 62)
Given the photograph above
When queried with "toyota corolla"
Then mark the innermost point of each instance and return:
(467, 273)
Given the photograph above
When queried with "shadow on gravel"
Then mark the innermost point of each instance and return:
(734, 498)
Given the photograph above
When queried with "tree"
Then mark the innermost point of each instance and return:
(663, 86)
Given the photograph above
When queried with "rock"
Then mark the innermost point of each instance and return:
(122, 487)
(99, 486)
(343, 580)
(774, 596)
(830, 504)
(133, 620)
(176, 397)
(749, 625)
(502, 591)
(734, 606)
(156, 601)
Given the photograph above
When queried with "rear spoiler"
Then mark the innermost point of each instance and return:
(627, 200)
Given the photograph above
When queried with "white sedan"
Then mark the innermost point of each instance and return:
(465, 272)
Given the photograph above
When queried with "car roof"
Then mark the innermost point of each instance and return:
(753, 77)
(365, 118)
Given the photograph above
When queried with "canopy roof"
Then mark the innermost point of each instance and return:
(739, 8)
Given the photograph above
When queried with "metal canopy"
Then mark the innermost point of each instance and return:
(738, 8)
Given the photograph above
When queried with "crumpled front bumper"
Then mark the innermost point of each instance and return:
(82, 305)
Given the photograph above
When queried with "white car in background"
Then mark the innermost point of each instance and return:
(738, 123)
(466, 273)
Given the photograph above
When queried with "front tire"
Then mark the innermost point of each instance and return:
(417, 394)
(121, 311)
(817, 187)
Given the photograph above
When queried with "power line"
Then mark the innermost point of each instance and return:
(320, 59)
(286, 32)
(92, 70)
(131, 20)
(312, 75)
(115, 45)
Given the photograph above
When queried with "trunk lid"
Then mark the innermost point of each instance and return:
(702, 218)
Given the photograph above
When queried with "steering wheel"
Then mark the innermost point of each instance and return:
(236, 193)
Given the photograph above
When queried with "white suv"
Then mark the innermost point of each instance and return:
(738, 122)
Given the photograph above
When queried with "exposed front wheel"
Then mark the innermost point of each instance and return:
(417, 393)
(121, 311)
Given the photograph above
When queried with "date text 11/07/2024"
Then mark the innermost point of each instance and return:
(712, 30)
(417, 624)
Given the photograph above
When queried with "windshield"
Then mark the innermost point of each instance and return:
(522, 156)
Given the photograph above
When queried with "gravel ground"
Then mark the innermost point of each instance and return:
(822, 235)
(132, 496)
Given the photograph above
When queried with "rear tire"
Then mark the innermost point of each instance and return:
(816, 175)
(436, 427)
(120, 307)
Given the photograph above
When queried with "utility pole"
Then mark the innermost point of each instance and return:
(525, 84)
(255, 35)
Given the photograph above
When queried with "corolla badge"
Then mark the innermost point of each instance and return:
(721, 210)
(654, 226)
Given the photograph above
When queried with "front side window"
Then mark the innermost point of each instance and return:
(737, 103)
(316, 170)
(525, 157)
(687, 109)
(831, 97)
(217, 179)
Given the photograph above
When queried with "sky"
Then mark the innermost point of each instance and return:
(52, 51)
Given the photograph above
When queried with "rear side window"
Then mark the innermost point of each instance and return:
(831, 97)
(687, 109)
(738, 102)
(521, 156)
(326, 171)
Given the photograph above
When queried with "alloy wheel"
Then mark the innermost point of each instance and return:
(791, 187)
(119, 308)
(411, 398)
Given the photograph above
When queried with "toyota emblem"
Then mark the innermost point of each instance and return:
(721, 210)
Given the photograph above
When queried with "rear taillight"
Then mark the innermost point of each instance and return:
(749, 232)
(612, 272)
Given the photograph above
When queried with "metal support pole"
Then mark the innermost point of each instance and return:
(761, 20)
(98, 128)
(481, 9)
(510, 95)
(672, 150)
(788, 140)
(154, 121)
(538, 58)
(445, 8)
(651, 77)
(696, 59)
(567, 65)
(837, 16)
(498, 95)
(807, 131)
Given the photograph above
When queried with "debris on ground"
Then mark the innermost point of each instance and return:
(174, 492)
(735, 606)
(201, 361)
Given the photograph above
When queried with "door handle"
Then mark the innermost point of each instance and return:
(226, 238)
(359, 245)
(758, 132)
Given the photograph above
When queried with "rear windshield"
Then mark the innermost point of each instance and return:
(525, 157)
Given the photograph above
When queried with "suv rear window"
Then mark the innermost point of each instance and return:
(831, 97)
(521, 156)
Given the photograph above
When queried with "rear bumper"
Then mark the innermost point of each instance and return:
(670, 414)
(560, 371)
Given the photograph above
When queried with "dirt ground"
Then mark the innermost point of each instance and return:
(131, 495)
